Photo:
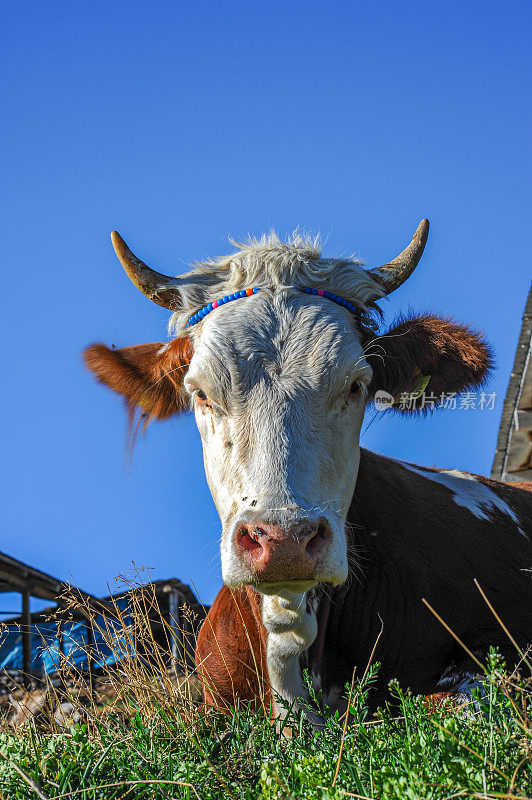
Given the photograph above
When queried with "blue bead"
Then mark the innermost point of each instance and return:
(256, 289)
(314, 291)
(242, 293)
(327, 294)
(209, 307)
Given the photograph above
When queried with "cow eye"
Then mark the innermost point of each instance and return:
(356, 387)
(200, 396)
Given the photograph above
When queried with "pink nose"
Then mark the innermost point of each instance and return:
(275, 553)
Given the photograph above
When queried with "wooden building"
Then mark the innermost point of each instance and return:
(513, 456)
(33, 644)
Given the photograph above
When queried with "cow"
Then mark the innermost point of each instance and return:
(327, 549)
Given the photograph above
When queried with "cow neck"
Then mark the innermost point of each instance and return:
(290, 625)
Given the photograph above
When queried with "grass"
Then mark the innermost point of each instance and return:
(153, 740)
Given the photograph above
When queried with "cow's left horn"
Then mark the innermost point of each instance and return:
(160, 288)
(392, 275)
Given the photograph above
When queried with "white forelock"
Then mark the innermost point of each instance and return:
(271, 263)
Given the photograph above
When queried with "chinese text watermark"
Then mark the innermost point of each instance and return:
(449, 401)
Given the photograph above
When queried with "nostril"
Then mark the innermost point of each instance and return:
(316, 543)
(249, 540)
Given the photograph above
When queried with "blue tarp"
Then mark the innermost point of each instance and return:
(45, 643)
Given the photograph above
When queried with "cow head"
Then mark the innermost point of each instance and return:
(279, 381)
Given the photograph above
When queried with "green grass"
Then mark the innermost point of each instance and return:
(176, 750)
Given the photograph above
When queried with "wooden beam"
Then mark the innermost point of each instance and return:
(90, 655)
(26, 638)
(18, 584)
(523, 419)
(61, 650)
(519, 476)
(175, 627)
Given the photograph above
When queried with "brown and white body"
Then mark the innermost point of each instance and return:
(323, 542)
(411, 533)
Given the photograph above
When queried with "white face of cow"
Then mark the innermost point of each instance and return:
(278, 384)
(278, 381)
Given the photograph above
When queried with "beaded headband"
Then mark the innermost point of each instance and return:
(198, 316)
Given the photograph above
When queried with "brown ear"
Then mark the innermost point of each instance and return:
(456, 358)
(149, 376)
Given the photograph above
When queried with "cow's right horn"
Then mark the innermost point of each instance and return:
(392, 275)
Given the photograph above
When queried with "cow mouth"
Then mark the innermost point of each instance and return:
(285, 586)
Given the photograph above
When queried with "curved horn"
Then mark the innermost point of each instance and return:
(160, 288)
(392, 275)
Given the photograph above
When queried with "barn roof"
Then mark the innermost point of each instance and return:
(16, 576)
(513, 456)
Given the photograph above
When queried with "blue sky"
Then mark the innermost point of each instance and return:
(182, 123)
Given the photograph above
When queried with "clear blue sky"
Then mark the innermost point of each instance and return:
(182, 123)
